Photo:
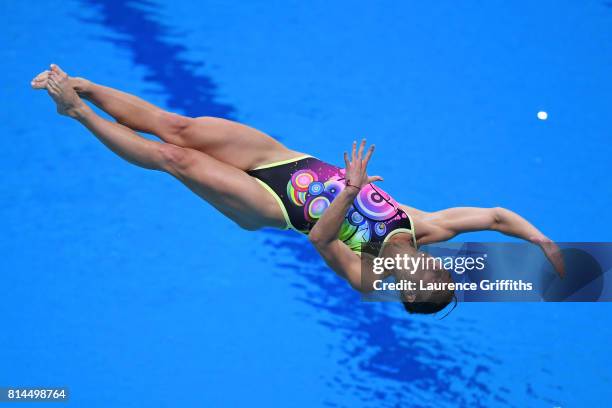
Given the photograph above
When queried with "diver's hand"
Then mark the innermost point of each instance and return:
(552, 252)
(356, 174)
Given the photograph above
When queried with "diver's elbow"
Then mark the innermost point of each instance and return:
(314, 238)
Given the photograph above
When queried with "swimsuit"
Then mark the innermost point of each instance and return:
(305, 186)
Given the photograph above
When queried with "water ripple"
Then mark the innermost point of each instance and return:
(139, 31)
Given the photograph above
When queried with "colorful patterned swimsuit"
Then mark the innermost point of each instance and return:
(304, 187)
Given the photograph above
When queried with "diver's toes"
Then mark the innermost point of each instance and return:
(55, 68)
(59, 79)
(42, 76)
(40, 80)
(52, 85)
(54, 80)
(39, 84)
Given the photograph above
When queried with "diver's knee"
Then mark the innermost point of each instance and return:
(174, 126)
(174, 159)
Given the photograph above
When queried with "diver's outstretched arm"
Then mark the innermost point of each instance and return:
(443, 225)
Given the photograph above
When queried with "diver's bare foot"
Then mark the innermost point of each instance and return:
(552, 252)
(80, 85)
(40, 80)
(60, 89)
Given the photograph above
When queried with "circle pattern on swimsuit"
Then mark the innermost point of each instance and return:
(302, 179)
(380, 228)
(333, 187)
(316, 207)
(297, 187)
(297, 197)
(371, 203)
(356, 218)
(315, 188)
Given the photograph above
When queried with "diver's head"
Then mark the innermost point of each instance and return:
(426, 274)
(431, 282)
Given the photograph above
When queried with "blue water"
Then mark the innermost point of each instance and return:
(123, 286)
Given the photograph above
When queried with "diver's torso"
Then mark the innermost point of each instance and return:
(306, 187)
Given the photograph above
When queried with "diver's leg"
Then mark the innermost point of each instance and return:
(128, 110)
(230, 142)
(228, 189)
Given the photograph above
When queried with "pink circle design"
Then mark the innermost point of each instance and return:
(302, 179)
(374, 204)
(316, 207)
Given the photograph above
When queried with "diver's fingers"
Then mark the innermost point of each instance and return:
(361, 147)
(354, 150)
(368, 155)
(372, 179)
(346, 160)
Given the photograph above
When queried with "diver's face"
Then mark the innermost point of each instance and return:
(433, 276)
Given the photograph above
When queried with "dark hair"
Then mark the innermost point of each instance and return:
(429, 307)
(424, 301)
(427, 301)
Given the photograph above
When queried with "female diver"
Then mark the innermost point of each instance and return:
(257, 182)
